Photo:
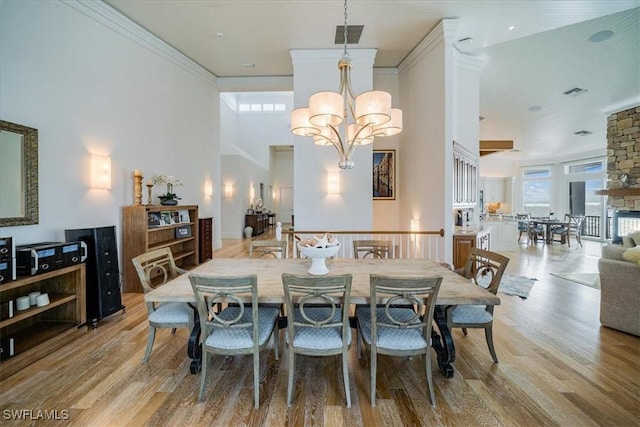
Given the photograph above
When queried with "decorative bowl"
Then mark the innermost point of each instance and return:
(318, 255)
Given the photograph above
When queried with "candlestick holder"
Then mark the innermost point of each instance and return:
(137, 187)
(149, 187)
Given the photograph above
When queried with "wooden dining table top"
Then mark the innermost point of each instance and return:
(454, 290)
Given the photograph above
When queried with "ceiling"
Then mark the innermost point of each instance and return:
(526, 69)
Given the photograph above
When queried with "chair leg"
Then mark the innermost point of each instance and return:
(203, 375)
(276, 339)
(464, 331)
(173, 331)
(150, 340)
(256, 379)
(579, 239)
(345, 375)
(432, 395)
(292, 367)
(488, 333)
(374, 367)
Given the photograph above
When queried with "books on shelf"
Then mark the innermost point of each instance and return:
(7, 348)
(6, 310)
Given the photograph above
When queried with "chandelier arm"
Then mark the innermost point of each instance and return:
(338, 144)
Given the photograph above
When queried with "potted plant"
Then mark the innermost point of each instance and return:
(169, 198)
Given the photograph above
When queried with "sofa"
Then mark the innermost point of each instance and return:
(620, 288)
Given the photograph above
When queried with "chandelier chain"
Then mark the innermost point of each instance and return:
(345, 54)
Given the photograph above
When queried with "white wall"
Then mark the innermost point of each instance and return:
(91, 81)
(282, 176)
(386, 213)
(244, 175)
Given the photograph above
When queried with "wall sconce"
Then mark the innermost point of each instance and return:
(208, 187)
(228, 191)
(252, 193)
(333, 182)
(100, 172)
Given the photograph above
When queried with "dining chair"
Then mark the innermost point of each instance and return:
(273, 248)
(571, 227)
(536, 232)
(318, 321)
(402, 326)
(372, 248)
(524, 224)
(489, 268)
(154, 269)
(240, 328)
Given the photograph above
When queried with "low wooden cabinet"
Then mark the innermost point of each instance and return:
(37, 331)
(464, 242)
(143, 230)
(206, 239)
(259, 222)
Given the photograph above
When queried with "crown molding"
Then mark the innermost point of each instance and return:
(114, 20)
(444, 30)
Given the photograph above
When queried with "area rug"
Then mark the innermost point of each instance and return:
(587, 279)
(516, 285)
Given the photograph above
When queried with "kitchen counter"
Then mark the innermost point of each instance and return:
(466, 238)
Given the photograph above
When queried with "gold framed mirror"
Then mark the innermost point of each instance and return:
(18, 174)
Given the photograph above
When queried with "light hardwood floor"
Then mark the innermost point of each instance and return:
(558, 366)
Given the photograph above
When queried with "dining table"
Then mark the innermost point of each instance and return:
(454, 290)
(548, 223)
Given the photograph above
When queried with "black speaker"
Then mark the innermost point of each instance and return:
(103, 274)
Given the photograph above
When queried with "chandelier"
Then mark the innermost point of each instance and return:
(344, 121)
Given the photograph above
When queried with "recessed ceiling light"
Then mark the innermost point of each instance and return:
(219, 34)
(582, 133)
(575, 91)
(512, 27)
(249, 65)
(535, 108)
(601, 36)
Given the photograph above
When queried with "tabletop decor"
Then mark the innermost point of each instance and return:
(319, 248)
(169, 198)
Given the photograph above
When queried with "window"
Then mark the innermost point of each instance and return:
(261, 108)
(536, 191)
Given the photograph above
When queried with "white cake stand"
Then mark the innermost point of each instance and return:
(318, 255)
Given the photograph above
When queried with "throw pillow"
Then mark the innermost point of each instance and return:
(632, 254)
(635, 236)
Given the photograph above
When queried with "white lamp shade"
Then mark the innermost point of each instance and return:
(326, 108)
(393, 126)
(300, 124)
(361, 134)
(373, 108)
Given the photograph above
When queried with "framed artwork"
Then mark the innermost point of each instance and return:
(183, 231)
(384, 174)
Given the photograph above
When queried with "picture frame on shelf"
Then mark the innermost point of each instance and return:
(384, 175)
(183, 231)
(153, 220)
(165, 218)
(175, 217)
(184, 216)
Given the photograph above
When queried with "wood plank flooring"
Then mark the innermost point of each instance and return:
(558, 366)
